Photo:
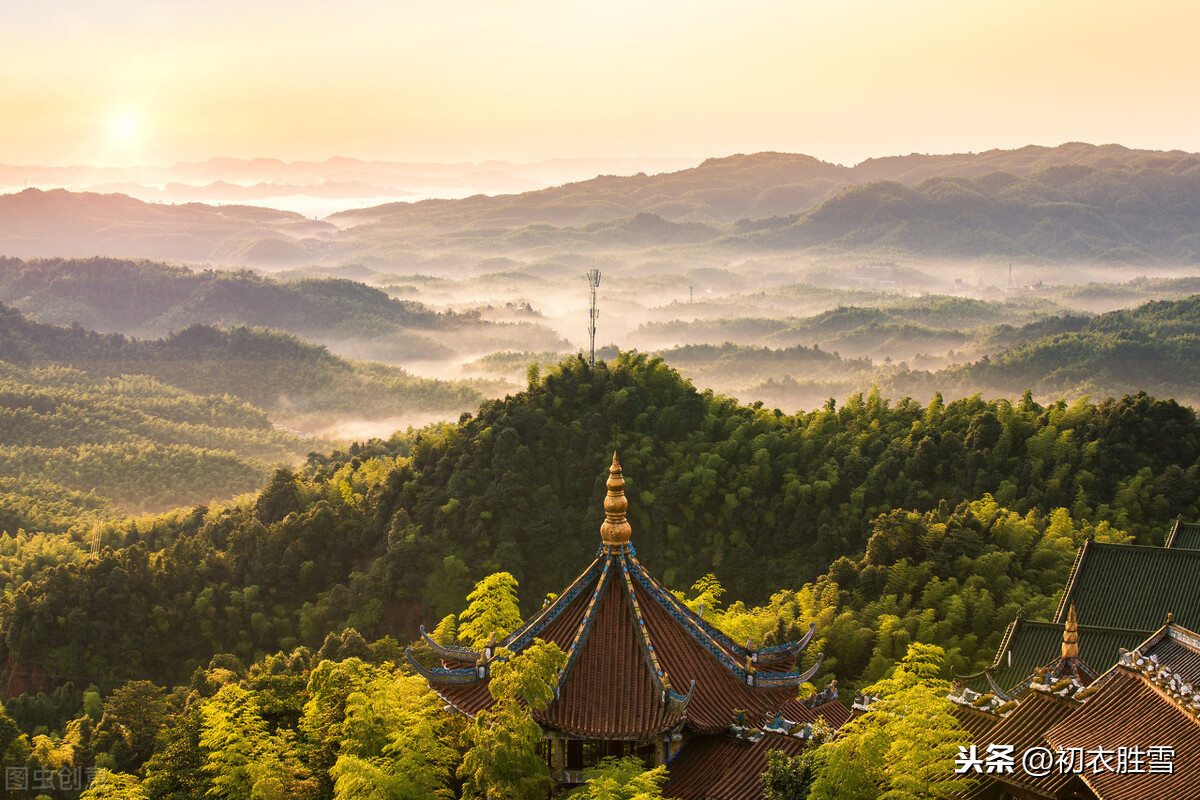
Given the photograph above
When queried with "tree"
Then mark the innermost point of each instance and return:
(621, 779)
(493, 609)
(502, 762)
(245, 761)
(114, 786)
(787, 777)
(394, 746)
(904, 747)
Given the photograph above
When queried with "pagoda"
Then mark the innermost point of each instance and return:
(644, 673)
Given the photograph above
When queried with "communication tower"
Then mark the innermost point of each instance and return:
(593, 277)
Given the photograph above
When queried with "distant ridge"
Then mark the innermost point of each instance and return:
(1072, 202)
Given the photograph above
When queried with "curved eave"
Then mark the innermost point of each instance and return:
(449, 653)
(679, 702)
(724, 649)
(698, 625)
(445, 676)
(779, 652)
(996, 690)
(776, 680)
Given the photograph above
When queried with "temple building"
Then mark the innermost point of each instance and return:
(1118, 701)
(1120, 595)
(1132, 732)
(645, 675)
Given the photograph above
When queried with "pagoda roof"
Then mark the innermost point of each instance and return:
(1132, 587)
(639, 662)
(1028, 646)
(1184, 535)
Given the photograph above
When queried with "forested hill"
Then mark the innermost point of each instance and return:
(274, 371)
(1071, 204)
(726, 189)
(1155, 346)
(153, 424)
(393, 533)
(150, 299)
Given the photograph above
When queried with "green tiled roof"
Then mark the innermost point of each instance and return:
(1133, 587)
(1184, 536)
(1030, 645)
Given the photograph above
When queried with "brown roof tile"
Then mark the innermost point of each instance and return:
(1130, 711)
(720, 768)
(610, 693)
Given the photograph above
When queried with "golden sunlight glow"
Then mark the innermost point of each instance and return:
(124, 128)
(533, 79)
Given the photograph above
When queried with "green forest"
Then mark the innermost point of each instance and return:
(250, 648)
(110, 423)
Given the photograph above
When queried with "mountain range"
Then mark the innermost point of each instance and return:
(1075, 202)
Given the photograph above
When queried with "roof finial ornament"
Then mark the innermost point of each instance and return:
(615, 530)
(1070, 645)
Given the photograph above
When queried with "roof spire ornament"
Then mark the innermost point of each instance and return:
(615, 530)
(1070, 644)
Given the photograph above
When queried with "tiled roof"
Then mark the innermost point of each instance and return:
(1177, 648)
(639, 662)
(719, 692)
(975, 722)
(1133, 587)
(1026, 727)
(798, 710)
(610, 692)
(1131, 711)
(1184, 535)
(1028, 646)
(721, 768)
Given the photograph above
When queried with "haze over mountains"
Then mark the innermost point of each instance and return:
(1071, 203)
(320, 188)
(773, 277)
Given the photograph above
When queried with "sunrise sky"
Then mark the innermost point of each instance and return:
(154, 82)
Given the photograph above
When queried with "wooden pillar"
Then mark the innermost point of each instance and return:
(558, 755)
(662, 749)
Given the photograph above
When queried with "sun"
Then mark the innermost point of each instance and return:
(124, 128)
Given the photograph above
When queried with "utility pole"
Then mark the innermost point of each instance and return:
(593, 277)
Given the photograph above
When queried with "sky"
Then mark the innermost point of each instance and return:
(129, 82)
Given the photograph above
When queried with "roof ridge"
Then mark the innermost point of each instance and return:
(1005, 642)
(1069, 587)
(697, 629)
(1174, 530)
(1149, 548)
(1187, 704)
(660, 593)
(518, 639)
(1089, 628)
(585, 625)
(662, 680)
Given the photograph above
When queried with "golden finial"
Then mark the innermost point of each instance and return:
(1070, 645)
(615, 530)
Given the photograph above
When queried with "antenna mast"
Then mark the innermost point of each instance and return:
(593, 277)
